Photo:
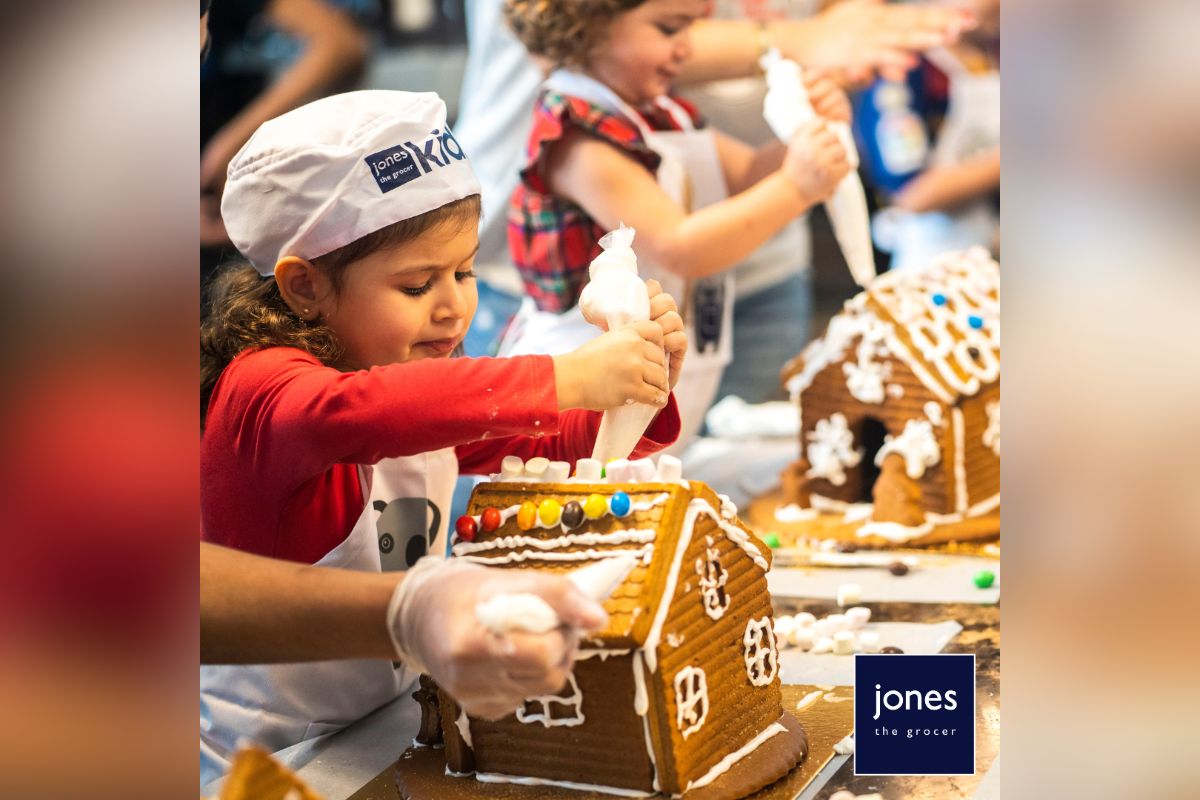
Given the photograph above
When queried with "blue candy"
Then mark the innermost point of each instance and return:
(939, 299)
(975, 322)
(619, 504)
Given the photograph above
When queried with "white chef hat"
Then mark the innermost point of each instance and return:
(328, 173)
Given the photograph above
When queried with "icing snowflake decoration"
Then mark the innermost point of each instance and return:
(712, 581)
(831, 450)
(691, 700)
(917, 445)
(991, 436)
(761, 652)
(866, 376)
(555, 710)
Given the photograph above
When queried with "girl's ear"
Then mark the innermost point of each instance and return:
(302, 286)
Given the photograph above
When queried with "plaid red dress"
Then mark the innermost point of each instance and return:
(553, 240)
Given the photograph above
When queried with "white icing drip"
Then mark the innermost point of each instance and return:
(691, 700)
(866, 376)
(760, 652)
(960, 467)
(641, 705)
(894, 531)
(638, 535)
(991, 436)
(831, 449)
(724, 765)
(984, 506)
(794, 513)
(728, 508)
(830, 505)
(916, 445)
(895, 390)
(934, 412)
(573, 701)
(496, 777)
(846, 746)
(520, 556)
(857, 511)
(464, 728)
(737, 535)
(808, 699)
(602, 654)
(712, 582)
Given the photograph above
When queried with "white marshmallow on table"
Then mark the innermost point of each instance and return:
(857, 617)
(588, 470)
(557, 472)
(823, 627)
(670, 469)
(643, 470)
(801, 637)
(783, 626)
(536, 467)
(839, 622)
(512, 467)
(823, 645)
(843, 794)
(848, 594)
(868, 641)
(804, 619)
(619, 471)
(843, 643)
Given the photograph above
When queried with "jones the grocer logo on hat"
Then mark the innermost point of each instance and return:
(406, 162)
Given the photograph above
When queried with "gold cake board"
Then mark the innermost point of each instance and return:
(761, 517)
(826, 722)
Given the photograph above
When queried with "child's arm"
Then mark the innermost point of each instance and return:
(942, 188)
(613, 188)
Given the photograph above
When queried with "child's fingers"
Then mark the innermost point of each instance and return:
(676, 342)
(660, 304)
(653, 288)
(670, 322)
(654, 353)
(649, 330)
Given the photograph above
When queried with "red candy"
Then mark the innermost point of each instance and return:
(490, 519)
(466, 528)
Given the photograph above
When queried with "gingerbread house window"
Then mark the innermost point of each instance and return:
(691, 700)
(712, 582)
(562, 709)
(762, 656)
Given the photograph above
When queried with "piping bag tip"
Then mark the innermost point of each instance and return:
(599, 580)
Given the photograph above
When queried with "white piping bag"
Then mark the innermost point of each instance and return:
(785, 109)
(616, 296)
(528, 612)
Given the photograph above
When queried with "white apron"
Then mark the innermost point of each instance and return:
(971, 127)
(279, 705)
(690, 173)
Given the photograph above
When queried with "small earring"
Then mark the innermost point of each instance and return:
(305, 312)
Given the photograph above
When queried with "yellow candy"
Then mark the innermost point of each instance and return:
(549, 512)
(595, 506)
(527, 516)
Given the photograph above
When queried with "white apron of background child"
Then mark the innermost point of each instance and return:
(690, 173)
(279, 705)
(971, 127)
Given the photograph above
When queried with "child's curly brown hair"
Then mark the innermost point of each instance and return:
(563, 31)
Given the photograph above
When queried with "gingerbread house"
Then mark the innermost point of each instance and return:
(900, 409)
(680, 694)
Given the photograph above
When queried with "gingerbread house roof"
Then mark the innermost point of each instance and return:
(660, 515)
(942, 321)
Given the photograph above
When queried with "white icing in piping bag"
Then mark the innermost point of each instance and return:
(528, 612)
(785, 109)
(616, 296)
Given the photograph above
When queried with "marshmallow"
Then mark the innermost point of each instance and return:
(587, 470)
(843, 643)
(843, 794)
(783, 626)
(801, 637)
(824, 627)
(619, 471)
(643, 470)
(857, 617)
(804, 619)
(848, 594)
(536, 467)
(823, 645)
(557, 472)
(670, 469)
(511, 467)
(868, 641)
(839, 622)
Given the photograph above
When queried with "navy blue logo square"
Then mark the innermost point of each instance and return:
(914, 714)
(392, 168)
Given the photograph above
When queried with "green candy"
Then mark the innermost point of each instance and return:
(985, 578)
(772, 540)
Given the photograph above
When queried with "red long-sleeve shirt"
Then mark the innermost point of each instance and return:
(285, 435)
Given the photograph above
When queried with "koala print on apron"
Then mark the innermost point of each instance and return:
(279, 705)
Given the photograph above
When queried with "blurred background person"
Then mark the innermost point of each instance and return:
(931, 148)
(242, 84)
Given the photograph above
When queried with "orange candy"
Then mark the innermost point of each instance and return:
(527, 516)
